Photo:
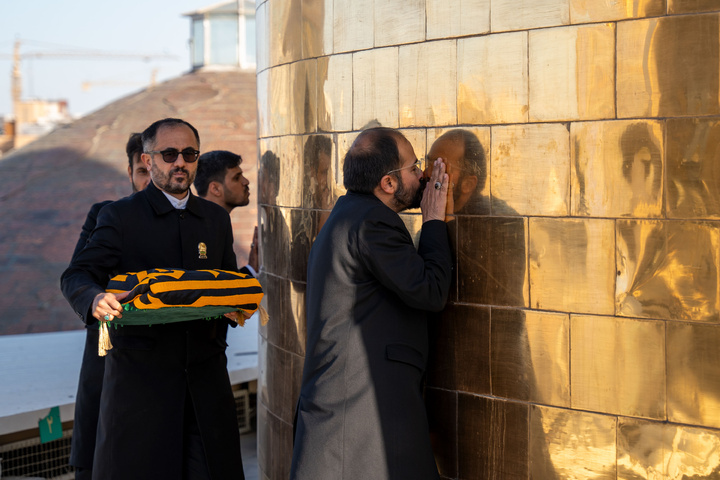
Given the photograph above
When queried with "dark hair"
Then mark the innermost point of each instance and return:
(473, 161)
(134, 147)
(371, 156)
(636, 137)
(148, 136)
(212, 167)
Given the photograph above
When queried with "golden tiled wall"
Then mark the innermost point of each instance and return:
(582, 336)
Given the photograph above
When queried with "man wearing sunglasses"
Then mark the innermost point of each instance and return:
(369, 293)
(167, 409)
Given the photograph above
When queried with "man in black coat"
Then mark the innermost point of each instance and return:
(369, 292)
(167, 409)
(87, 400)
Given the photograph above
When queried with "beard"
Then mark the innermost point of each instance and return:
(166, 181)
(407, 198)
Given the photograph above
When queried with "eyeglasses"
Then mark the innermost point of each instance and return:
(169, 155)
(417, 167)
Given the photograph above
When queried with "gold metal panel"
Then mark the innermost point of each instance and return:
(530, 356)
(275, 239)
(399, 21)
(492, 260)
(285, 31)
(279, 100)
(429, 98)
(571, 267)
(317, 23)
(618, 366)
(572, 72)
(492, 79)
(492, 438)
(344, 141)
(571, 445)
(456, 19)
(291, 171)
(442, 418)
(693, 168)
(617, 168)
(690, 6)
(262, 35)
(693, 380)
(296, 328)
(304, 87)
(318, 176)
(588, 11)
(268, 171)
(280, 372)
(275, 445)
(668, 66)
(524, 14)
(335, 95)
(652, 450)
(668, 269)
(375, 88)
(530, 169)
(263, 102)
(353, 25)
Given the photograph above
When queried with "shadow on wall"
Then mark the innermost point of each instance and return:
(45, 196)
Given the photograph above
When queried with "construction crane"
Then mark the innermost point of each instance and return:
(16, 84)
(86, 86)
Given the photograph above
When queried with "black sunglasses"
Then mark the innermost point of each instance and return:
(169, 155)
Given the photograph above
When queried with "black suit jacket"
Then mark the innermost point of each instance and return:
(152, 369)
(361, 412)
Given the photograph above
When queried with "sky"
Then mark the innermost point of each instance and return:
(148, 30)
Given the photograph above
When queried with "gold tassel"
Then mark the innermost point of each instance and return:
(104, 339)
(264, 317)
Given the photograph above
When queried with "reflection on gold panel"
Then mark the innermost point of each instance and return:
(572, 445)
(587, 11)
(275, 445)
(572, 72)
(375, 88)
(279, 101)
(499, 97)
(344, 141)
(262, 35)
(525, 14)
(263, 102)
(318, 175)
(617, 168)
(399, 21)
(353, 25)
(282, 371)
(334, 109)
(456, 19)
(464, 151)
(530, 168)
(618, 366)
(492, 438)
(652, 450)
(430, 99)
(285, 31)
(492, 260)
(691, 6)
(571, 266)
(296, 329)
(668, 66)
(530, 356)
(442, 418)
(418, 140)
(273, 232)
(459, 354)
(291, 171)
(303, 100)
(268, 171)
(693, 380)
(668, 270)
(301, 234)
(693, 168)
(317, 22)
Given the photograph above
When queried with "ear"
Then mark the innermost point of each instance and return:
(468, 184)
(147, 160)
(388, 184)
(215, 189)
(130, 172)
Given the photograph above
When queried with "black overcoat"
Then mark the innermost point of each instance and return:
(369, 292)
(154, 372)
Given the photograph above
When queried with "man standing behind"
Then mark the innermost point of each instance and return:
(220, 180)
(87, 400)
(361, 412)
(167, 409)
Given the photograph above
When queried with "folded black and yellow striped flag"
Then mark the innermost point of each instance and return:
(174, 295)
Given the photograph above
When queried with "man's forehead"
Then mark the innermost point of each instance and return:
(166, 132)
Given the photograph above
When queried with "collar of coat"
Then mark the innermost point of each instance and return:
(162, 205)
